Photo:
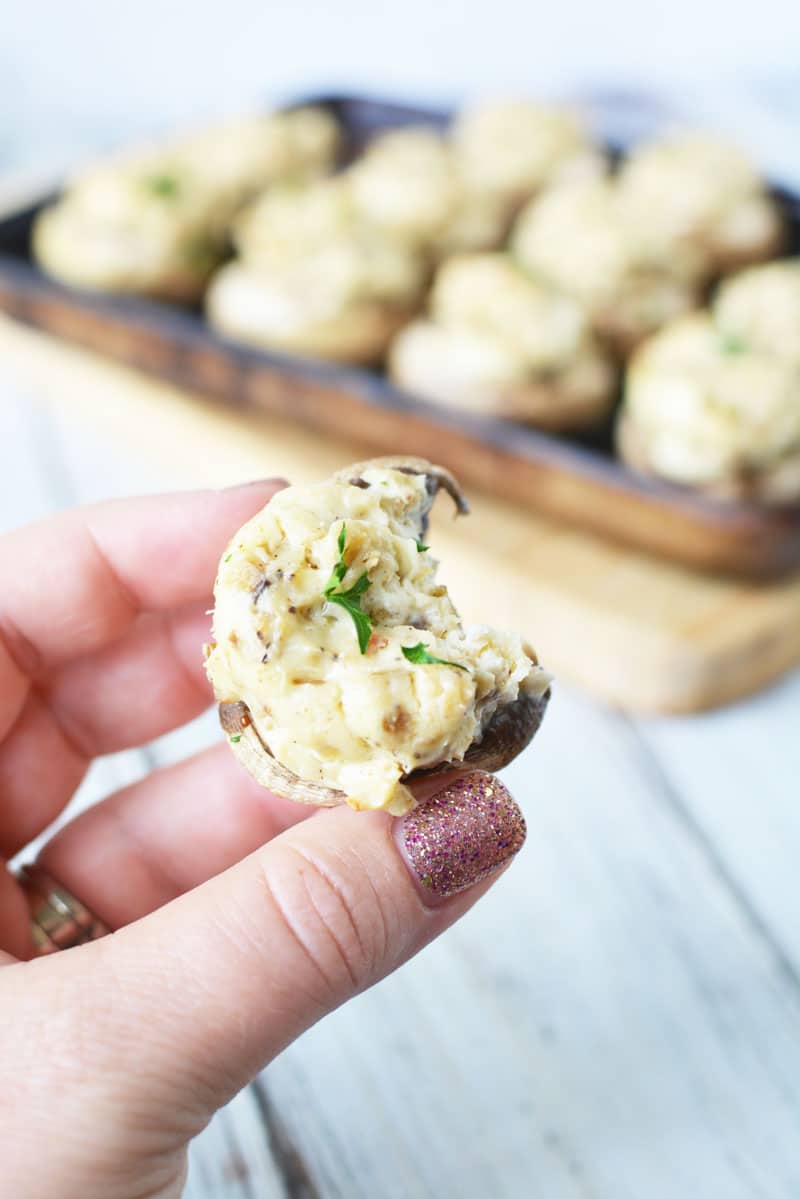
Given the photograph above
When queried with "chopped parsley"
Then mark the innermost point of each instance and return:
(419, 654)
(729, 343)
(164, 185)
(236, 738)
(228, 557)
(421, 548)
(350, 598)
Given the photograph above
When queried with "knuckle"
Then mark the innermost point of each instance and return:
(332, 920)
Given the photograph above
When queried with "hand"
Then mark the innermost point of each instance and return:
(242, 921)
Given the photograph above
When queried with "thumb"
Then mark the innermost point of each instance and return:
(211, 987)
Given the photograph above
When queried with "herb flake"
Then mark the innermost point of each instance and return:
(350, 598)
(729, 343)
(164, 185)
(421, 547)
(235, 738)
(418, 654)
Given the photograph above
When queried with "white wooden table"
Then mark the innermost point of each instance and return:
(618, 1019)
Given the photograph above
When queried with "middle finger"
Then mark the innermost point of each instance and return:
(160, 837)
(149, 682)
(152, 841)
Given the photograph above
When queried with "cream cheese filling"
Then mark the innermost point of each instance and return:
(356, 721)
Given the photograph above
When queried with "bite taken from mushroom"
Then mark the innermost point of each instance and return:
(340, 665)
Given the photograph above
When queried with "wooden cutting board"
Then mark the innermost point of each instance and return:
(640, 633)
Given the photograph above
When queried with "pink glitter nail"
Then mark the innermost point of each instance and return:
(462, 835)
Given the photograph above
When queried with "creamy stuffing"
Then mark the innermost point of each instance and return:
(410, 185)
(467, 369)
(513, 148)
(499, 341)
(696, 205)
(488, 294)
(155, 221)
(760, 309)
(704, 410)
(578, 240)
(406, 185)
(313, 278)
(357, 721)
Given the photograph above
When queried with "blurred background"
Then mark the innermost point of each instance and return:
(86, 74)
(621, 1017)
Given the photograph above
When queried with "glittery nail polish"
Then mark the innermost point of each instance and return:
(462, 835)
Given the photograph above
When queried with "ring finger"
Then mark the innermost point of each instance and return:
(162, 836)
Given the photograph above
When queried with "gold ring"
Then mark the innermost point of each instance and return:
(58, 919)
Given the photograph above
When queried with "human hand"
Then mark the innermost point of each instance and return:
(241, 920)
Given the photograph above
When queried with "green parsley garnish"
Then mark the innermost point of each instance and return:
(350, 598)
(421, 548)
(167, 186)
(228, 557)
(729, 343)
(238, 737)
(419, 654)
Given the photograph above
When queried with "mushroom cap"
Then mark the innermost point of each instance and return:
(507, 732)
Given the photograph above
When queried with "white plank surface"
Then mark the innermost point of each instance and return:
(619, 1018)
(233, 1158)
(736, 774)
(605, 1023)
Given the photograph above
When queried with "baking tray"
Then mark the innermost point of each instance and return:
(576, 479)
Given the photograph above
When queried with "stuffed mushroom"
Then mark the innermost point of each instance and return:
(577, 239)
(340, 664)
(142, 225)
(759, 309)
(696, 205)
(511, 149)
(704, 411)
(499, 342)
(409, 184)
(313, 279)
(405, 185)
(288, 221)
(240, 157)
(156, 221)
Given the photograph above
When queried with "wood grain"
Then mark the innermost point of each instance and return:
(639, 633)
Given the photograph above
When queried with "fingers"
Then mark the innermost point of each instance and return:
(160, 837)
(15, 933)
(39, 770)
(127, 693)
(115, 676)
(76, 582)
(213, 985)
(150, 681)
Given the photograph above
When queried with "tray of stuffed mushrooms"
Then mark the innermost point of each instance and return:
(607, 333)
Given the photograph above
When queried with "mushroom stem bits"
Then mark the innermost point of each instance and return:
(340, 665)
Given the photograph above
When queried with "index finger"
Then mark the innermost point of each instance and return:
(76, 582)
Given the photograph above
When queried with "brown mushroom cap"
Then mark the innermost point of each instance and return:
(436, 477)
(511, 728)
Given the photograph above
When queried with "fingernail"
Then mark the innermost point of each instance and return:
(462, 835)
